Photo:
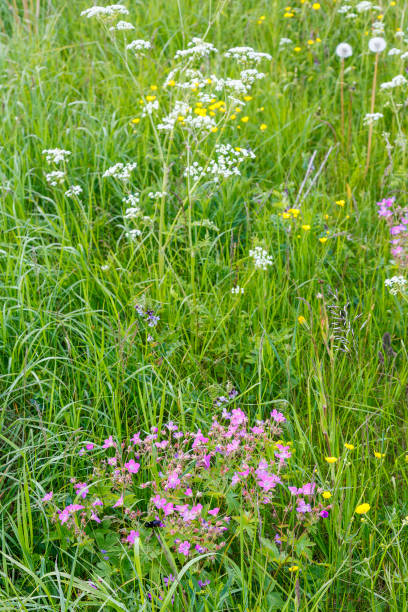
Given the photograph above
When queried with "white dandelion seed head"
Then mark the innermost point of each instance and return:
(344, 50)
(377, 44)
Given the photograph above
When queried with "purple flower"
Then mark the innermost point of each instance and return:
(136, 438)
(119, 502)
(81, 489)
(324, 514)
(95, 517)
(168, 579)
(47, 497)
(203, 583)
(302, 507)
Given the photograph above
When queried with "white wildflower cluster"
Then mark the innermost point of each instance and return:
(237, 290)
(285, 41)
(394, 51)
(56, 156)
(122, 25)
(343, 10)
(371, 118)
(404, 55)
(132, 199)
(138, 46)
(150, 107)
(120, 171)
(133, 234)
(365, 6)
(261, 258)
(245, 55)
(132, 213)
(74, 190)
(397, 81)
(396, 284)
(157, 195)
(196, 48)
(105, 11)
(55, 178)
(225, 165)
(378, 27)
(184, 114)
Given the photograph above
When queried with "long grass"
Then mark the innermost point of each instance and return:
(74, 365)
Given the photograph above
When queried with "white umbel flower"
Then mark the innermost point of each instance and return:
(261, 258)
(105, 11)
(344, 50)
(377, 44)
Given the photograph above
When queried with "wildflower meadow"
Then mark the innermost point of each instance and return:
(204, 306)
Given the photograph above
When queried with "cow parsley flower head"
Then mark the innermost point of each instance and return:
(397, 81)
(105, 11)
(245, 55)
(371, 118)
(122, 25)
(344, 50)
(261, 258)
(138, 46)
(377, 44)
(120, 171)
(55, 178)
(196, 48)
(396, 284)
(56, 156)
(73, 191)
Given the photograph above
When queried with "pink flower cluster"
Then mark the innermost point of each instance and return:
(397, 220)
(178, 482)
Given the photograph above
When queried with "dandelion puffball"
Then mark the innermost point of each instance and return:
(377, 44)
(344, 50)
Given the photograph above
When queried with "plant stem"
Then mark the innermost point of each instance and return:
(370, 129)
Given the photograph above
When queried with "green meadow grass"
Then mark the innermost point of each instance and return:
(74, 364)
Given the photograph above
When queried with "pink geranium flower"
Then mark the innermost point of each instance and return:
(132, 467)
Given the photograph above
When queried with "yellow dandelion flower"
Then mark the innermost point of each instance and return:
(362, 509)
(310, 42)
(171, 83)
(136, 120)
(340, 202)
(286, 215)
(214, 129)
(297, 49)
(232, 116)
(323, 239)
(153, 87)
(301, 320)
(326, 495)
(306, 228)
(247, 98)
(316, 6)
(245, 119)
(150, 98)
(331, 459)
(349, 446)
(263, 127)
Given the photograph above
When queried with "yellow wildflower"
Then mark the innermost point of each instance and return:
(349, 446)
(306, 228)
(331, 459)
(378, 455)
(362, 509)
(263, 127)
(301, 320)
(326, 495)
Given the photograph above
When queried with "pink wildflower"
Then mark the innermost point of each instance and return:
(132, 467)
(184, 548)
(119, 502)
(214, 511)
(47, 497)
(131, 538)
(109, 443)
(277, 416)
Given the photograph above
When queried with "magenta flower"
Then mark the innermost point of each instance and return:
(81, 489)
(47, 497)
(324, 514)
(131, 538)
(132, 467)
(109, 443)
(214, 511)
(136, 438)
(173, 481)
(112, 461)
(95, 517)
(188, 492)
(119, 502)
(89, 446)
(277, 416)
(97, 502)
(184, 548)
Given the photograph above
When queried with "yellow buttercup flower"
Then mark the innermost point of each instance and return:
(362, 509)
(301, 320)
(378, 455)
(136, 120)
(153, 87)
(331, 459)
(171, 83)
(214, 129)
(297, 49)
(340, 202)
(245, 119)
(263, 127)
(323, 240)
(306, 228)
(349, 446)
(316, 6)
(293, 568)
(326, 495)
